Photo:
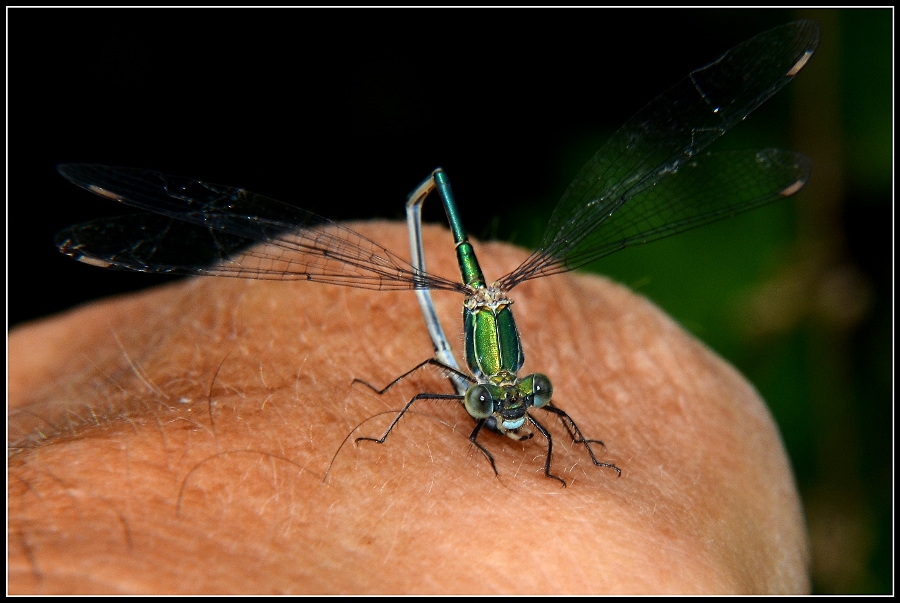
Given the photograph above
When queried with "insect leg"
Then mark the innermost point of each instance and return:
(405, 408)
(453, 371)
(547, 435)
(578, 437)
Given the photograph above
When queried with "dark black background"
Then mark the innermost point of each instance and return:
(341, 112)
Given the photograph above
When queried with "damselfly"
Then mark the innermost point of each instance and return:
(649, 181)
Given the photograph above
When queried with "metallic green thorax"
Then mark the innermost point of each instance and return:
(492, 339)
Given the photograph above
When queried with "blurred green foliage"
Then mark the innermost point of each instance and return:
(798, 294)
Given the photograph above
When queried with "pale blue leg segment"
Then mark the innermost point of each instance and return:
(442, 351)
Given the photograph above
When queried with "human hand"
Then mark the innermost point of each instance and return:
(176, 441)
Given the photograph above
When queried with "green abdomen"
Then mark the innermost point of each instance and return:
(492, 342)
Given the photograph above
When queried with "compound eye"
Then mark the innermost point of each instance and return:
(479, 402)
(543, 390)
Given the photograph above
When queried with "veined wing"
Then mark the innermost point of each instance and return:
(636, 187)
(198, 228)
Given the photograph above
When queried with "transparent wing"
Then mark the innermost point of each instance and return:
(198, 228)
(637, 186)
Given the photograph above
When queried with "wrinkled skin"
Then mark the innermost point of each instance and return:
(176, 441)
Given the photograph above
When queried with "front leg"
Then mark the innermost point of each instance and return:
(454, 372)
(578, 437)
(405, 408)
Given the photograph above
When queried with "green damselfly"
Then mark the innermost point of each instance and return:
(651, 180)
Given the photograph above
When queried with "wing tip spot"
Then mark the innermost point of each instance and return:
(103, 192)
(793, 188)
(800, 64)
(94, 262)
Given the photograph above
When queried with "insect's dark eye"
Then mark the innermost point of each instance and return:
(543, 390)
(479, 402)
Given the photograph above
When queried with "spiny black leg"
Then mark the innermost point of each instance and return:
(547, 435)
(433, 361)
(405, 408)
(483, 450)
(578, 437)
